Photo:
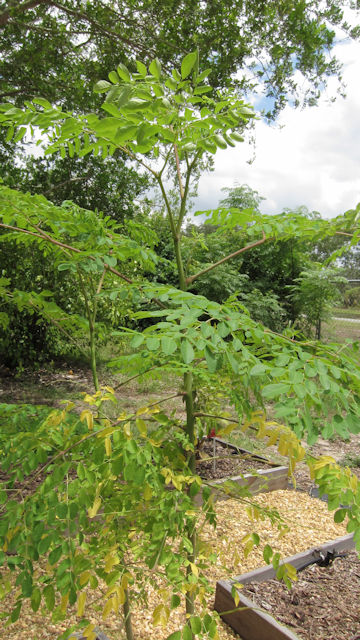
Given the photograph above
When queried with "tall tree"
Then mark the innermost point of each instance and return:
(50, 46)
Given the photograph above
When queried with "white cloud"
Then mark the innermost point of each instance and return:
(312, 160)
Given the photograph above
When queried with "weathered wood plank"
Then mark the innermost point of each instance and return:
(265, 480)
(251, 624)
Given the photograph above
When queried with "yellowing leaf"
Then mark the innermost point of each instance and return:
(283, 446)
(273, 436)
(110, 561)
(121, 594)
(322, 462)
(354, 483)
(228, 429)
(108, 446)
(110, 390)
(87, 416)
(161, 615)
(142, 410)
(89, 399)
(89, 632)
(141, 426)
(84, 578)
(194, 569)
(157, 615)
(125, 580)
(64, 603)
(291, 571)
(109, 606)
(248, 548)
(95, 508)
(147, 493)
(127, 429)
(283, 531)
(245, 538)
(81, 603)
(108, 431)
(54, 418)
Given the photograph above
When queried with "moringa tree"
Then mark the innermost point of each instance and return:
(123, 466)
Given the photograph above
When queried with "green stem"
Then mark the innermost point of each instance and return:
(176, 235)
(93, 357)
(92, 338)
(190, 417)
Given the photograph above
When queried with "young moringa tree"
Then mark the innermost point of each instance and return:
(158, 119)
(85, 246)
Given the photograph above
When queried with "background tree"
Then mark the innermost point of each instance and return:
(316, 291)
(62, 42)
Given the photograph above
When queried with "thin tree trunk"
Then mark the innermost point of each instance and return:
(127, 617)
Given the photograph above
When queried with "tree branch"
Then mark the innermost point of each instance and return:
(43, 236)
(191, 279)
(6, 15)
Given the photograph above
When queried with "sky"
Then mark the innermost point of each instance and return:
(309, 157)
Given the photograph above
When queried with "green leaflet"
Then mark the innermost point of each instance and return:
(141, 68)
(212, 360)
(187, 633)
(133, 472)
(102, 86)
(187, 351)
(137, 341)
(155, 68)
(113, 77)
(35, 599)
(188, 64)
(123, 72)
(257, 370)
(195, 623)
(49, 596)
(275, 390)
(168, 346)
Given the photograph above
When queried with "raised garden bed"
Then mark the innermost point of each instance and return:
(253, 623)
(234, 463)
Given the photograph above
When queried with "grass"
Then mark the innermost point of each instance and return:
(347, 313)
(339, 330)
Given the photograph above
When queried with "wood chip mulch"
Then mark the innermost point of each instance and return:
(309, 523)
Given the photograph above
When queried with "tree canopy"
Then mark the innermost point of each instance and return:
(49, 46)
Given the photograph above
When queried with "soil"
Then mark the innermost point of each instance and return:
(226, 462)
(324, 604)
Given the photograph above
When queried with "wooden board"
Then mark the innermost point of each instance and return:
(265, 480)
(253, 623)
